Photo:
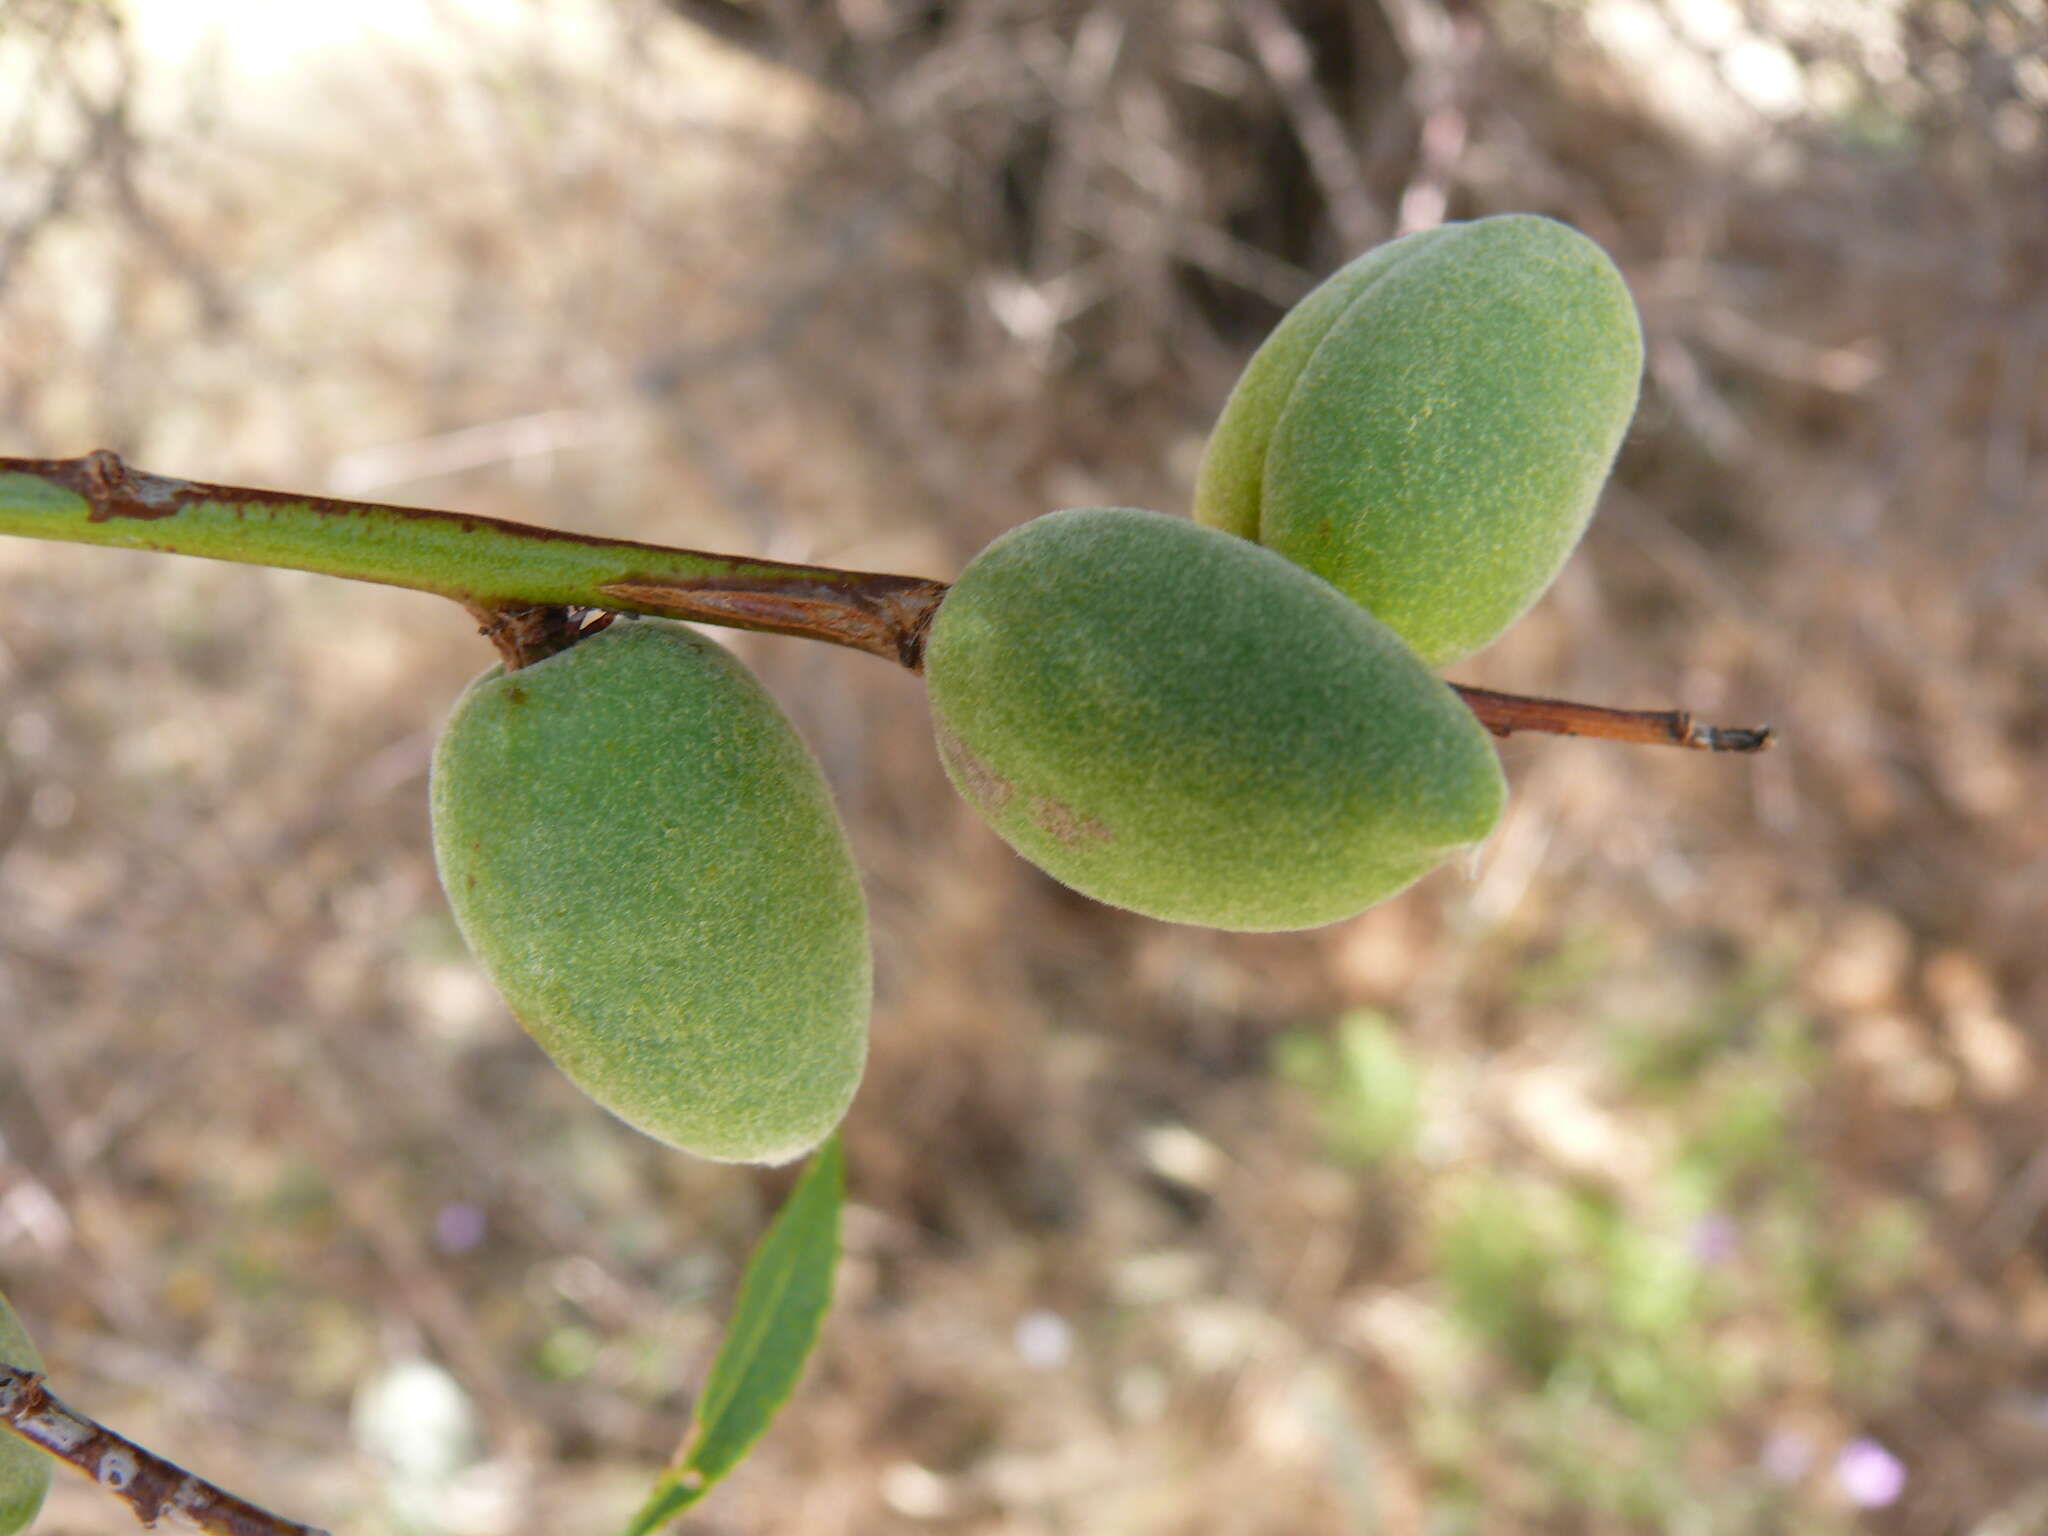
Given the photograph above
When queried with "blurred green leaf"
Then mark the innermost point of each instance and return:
(1748, 1014)
(1585, 956)
(1496, 1261)
(1368, 1089)
(567, 1353)
(782, 1301)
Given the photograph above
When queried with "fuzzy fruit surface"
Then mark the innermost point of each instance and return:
(1172, 720)
(24, 1470)
(1428, 431)
(646, 861)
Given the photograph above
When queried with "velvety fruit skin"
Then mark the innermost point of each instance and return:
(24, 1470)
(646, 860)
(1173, 720)
(1428, 431)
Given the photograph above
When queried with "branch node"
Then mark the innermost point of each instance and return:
(103, 473)
(523, 636)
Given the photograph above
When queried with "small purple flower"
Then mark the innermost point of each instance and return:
(458, 1226)
(1712, 1239)
(1870, 1475)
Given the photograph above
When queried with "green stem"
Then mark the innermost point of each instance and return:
(490, 566)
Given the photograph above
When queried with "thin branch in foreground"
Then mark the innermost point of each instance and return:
(153, 1488)
(1505, 713)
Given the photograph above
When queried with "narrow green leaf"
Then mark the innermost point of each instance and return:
(782, 1301)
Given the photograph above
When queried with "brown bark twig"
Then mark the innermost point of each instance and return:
(1505, 713)
(153, 1488)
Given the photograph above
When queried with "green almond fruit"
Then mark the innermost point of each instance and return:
(1175, 721)
(646, 861)
(1429, 430)
(24, 1470)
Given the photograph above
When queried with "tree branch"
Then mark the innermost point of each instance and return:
(153, 1488)
(521, 582)
(484, 563)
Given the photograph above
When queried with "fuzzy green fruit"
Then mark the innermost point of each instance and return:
(1428, 430)
(646, 860)
(1175, 721)
(24, 1470)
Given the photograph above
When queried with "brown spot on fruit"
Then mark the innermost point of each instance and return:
(989, 790)
(1064, 824)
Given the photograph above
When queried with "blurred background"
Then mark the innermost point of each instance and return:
(1678, 1167)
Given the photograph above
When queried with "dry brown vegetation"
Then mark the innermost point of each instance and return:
(1706, 1139)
